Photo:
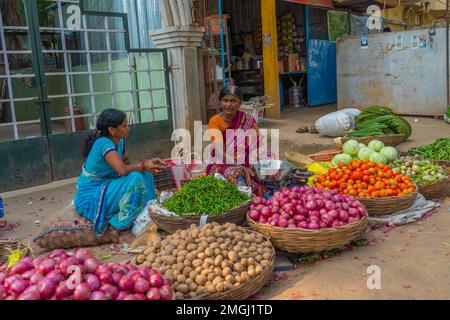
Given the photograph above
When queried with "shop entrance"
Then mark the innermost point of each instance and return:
(306, 57)
(60, 66)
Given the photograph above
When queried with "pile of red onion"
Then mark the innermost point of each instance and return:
(306, 208)
(79, 276)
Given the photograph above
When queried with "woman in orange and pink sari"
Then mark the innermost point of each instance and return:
(241, 125)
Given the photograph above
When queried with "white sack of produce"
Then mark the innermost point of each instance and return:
(337, 123)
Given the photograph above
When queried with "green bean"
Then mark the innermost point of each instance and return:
(205, 195)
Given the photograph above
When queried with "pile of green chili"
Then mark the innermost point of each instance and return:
(205, 195)
(439, 150)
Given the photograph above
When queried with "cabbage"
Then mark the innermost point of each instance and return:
(341, 158)
(390, 153)
(362, 145)
(376, 145)
(377, 158)
(364, 153)
(351, 147)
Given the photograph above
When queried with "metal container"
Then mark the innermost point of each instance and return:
(296, 97)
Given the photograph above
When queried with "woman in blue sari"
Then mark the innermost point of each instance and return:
(111, 191)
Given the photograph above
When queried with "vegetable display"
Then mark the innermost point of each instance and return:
(205, 195)
(306, 208)
(379, 121)
(209, 259)
(366, 179)
(375, 152)
(79, 276)
(421, 171)
(439, 150)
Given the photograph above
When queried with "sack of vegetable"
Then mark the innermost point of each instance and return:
(431, 178)
(202, 200)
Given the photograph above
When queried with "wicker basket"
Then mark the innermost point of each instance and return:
(388, 205)
(173, 224)
(7, 246)
(324, 156)
(388, 140)
(438, 189)
(305, 241)
(247, 289)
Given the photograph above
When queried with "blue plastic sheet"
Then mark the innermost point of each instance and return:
(322, 83)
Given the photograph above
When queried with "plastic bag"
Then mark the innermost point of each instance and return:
(142, 221)
(337, 123)
(420, 207)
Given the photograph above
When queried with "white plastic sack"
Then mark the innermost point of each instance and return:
(337, 123)
(143, 220)
(420, 207)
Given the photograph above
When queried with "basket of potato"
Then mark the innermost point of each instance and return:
(212, 262)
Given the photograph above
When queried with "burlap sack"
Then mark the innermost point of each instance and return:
(66, 229)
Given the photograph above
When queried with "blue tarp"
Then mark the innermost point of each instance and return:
(322, 83)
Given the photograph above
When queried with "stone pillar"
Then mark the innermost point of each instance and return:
(181, 43)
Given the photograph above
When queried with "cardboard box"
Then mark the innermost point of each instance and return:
(291, 63)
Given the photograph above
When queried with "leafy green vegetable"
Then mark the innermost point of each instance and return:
(205, 195)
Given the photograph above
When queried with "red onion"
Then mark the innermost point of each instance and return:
(352, 212)
(97, 295)
(335, 224)
(257, 200)
(152, 294)
(83, 254)
(130, 297)
(27, 275)
(91, 264)
(19, 286)
(343, 216)
(156, 280)
(121, 295)
(265, 212)
(36, 262)
(57, 253)
(299, 218)
(116, 276)
(93, 282)
(66, 263)
(110, 291)
(36, 278)
(166, 292)
(4, 293)
(10, 280)
(3, 276)
(20, 268)
(140, 296)
(323, 225)
(283, 223)
(46, 266)
(254, 215)
(62, 291)
(55, 276)
(29, 295)
(333, 214)
(126, 283)
(141, 285)
(82, 292)
(313, 226)
(46, 288)
(262, 220)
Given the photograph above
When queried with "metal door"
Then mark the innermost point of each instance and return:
(82, 65)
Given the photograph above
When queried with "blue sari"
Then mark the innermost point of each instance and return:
(104, 197)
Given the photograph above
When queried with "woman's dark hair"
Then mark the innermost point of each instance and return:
(109, 118)
(231, 89)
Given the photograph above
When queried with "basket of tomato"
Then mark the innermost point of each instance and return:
(380, 189)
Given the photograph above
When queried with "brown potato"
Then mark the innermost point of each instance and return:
(232, 256)
(218, 260)
(189, 281)
(217, 280)
(265, 263)
(251, 271)
(209, 252)
(191, 247)
(192, 274)
(226, 271)
(140, 258)
(148, 251)
(147, 264)
(258, 258)
(258, 269)
(199, 269)
(211, 276)
(183, 288)
(211, 288)
(151, 257)
(193, 287)
(223, 246)
(238, 267)
(220, 287)
(176, 272)
(197, 262)
(201, 255)
(181, 278)
(200, 280)
(244, 276)
(179, 296)
(229, 278)
(187, 263)
(267, 256)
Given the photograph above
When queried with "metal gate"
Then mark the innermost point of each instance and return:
(60, 66)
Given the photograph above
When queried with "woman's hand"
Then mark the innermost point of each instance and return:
(154, 165)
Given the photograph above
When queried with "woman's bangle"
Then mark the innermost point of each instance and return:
(142, 165)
